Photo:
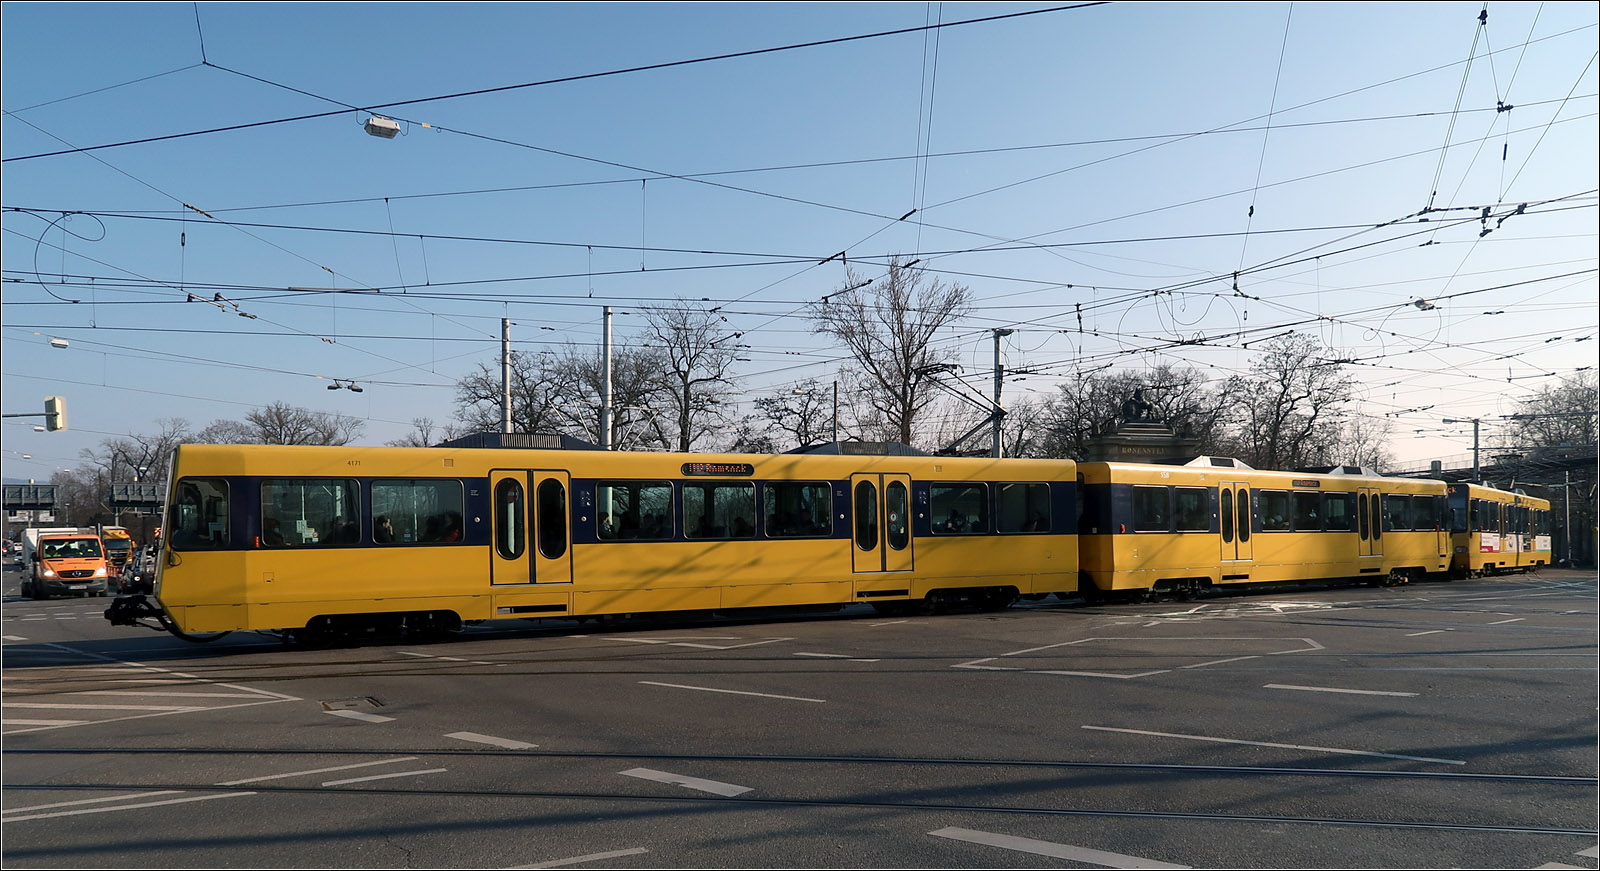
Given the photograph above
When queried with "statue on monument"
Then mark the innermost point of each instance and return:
(1137, 409)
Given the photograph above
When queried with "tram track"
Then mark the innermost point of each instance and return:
(747, 802)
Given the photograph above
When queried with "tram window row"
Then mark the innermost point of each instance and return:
(330, 512)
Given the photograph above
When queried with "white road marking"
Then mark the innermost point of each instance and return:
(63, 705)
(836, 656)
(40, 807)
(715, 787)
(1512, 620)
(889, 623)
(445, 658)
(317, 771)
(507, 743)
(705, 646)
(1553, 866)
(363, 717)
(13, 721)
(1429, 632)
(1046, 848)
(14, 638)
(1283, 686)
(383, 776)
(1281, 746)
(126, 807)
(1221, 661)
(1592, 852)
(185, 695)
(679, 686)
(592, 857)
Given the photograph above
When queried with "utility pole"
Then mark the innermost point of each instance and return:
(1477, 474)
(505, 376)
(605, 385)
(999, 378)
(835, 411)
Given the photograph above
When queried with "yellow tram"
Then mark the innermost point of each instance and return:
(332, 541)
(1494, 531)
(1181, 529)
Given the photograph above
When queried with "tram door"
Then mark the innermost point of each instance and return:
(532, 536)
(1233, 516)
(880, 518)
(1369, 522)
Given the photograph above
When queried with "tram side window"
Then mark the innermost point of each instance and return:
(796, 510)
(552, 508)
(1194, 509)
(198, 518)
(1423, 514)
(633, 510)
(1336, 512)
(959, 508)
(1150, 509)
(1486, 515)
(414, 510)
(719, 510)
(1023, 508)
(1397, 512)
(1305, 511)
(1274, 510)
(309, 512)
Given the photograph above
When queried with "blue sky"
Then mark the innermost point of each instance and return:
(1078, 157)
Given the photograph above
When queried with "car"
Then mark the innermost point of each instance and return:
(138, 576)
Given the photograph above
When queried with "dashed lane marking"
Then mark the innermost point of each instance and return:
(508, 743)
(679, 686)
(716, 787)
(1282, 686)
(1338, 750)
(578, 860)
(1053, 850)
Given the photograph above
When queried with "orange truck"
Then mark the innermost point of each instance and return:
(63, 561)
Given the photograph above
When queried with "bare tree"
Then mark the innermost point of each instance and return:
(1292, 405)
(889, 325)
(641, 415)
(797, 417)
(1091, 405)
(536, 392)
(698, 351)
(283, 424)
(425, 434)
(1560, 415)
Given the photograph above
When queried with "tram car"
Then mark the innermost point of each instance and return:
(1146, 530)
(331, 542)
(1494, 531)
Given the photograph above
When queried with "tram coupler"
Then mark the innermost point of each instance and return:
(129, 610)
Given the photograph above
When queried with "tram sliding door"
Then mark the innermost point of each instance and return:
(531, 529)
(881, 523)
(1233, 516)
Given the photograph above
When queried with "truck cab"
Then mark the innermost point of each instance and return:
(62, 563)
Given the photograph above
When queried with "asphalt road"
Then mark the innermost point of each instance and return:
(1429, 725)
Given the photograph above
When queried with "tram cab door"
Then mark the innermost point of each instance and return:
(1369, 522)
(1233, 517)
(532, 538)
(880, 523)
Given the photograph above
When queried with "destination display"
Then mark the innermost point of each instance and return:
(719, 469)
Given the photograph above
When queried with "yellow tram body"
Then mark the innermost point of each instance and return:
(1495, 531)
(279, 538)
(1183, 529)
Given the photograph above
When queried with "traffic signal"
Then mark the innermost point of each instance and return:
(55, 413)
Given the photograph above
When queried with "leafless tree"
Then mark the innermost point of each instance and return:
(698, 351)
(1291, 403)
(889, 325)
(790, 418)
(1091, 405)
(280, 423)
(536, 394)
(425, 434)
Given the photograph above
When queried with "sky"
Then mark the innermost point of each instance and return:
(1122, 185)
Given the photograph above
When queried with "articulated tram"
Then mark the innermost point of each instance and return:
(329, 541)
(323, 543)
